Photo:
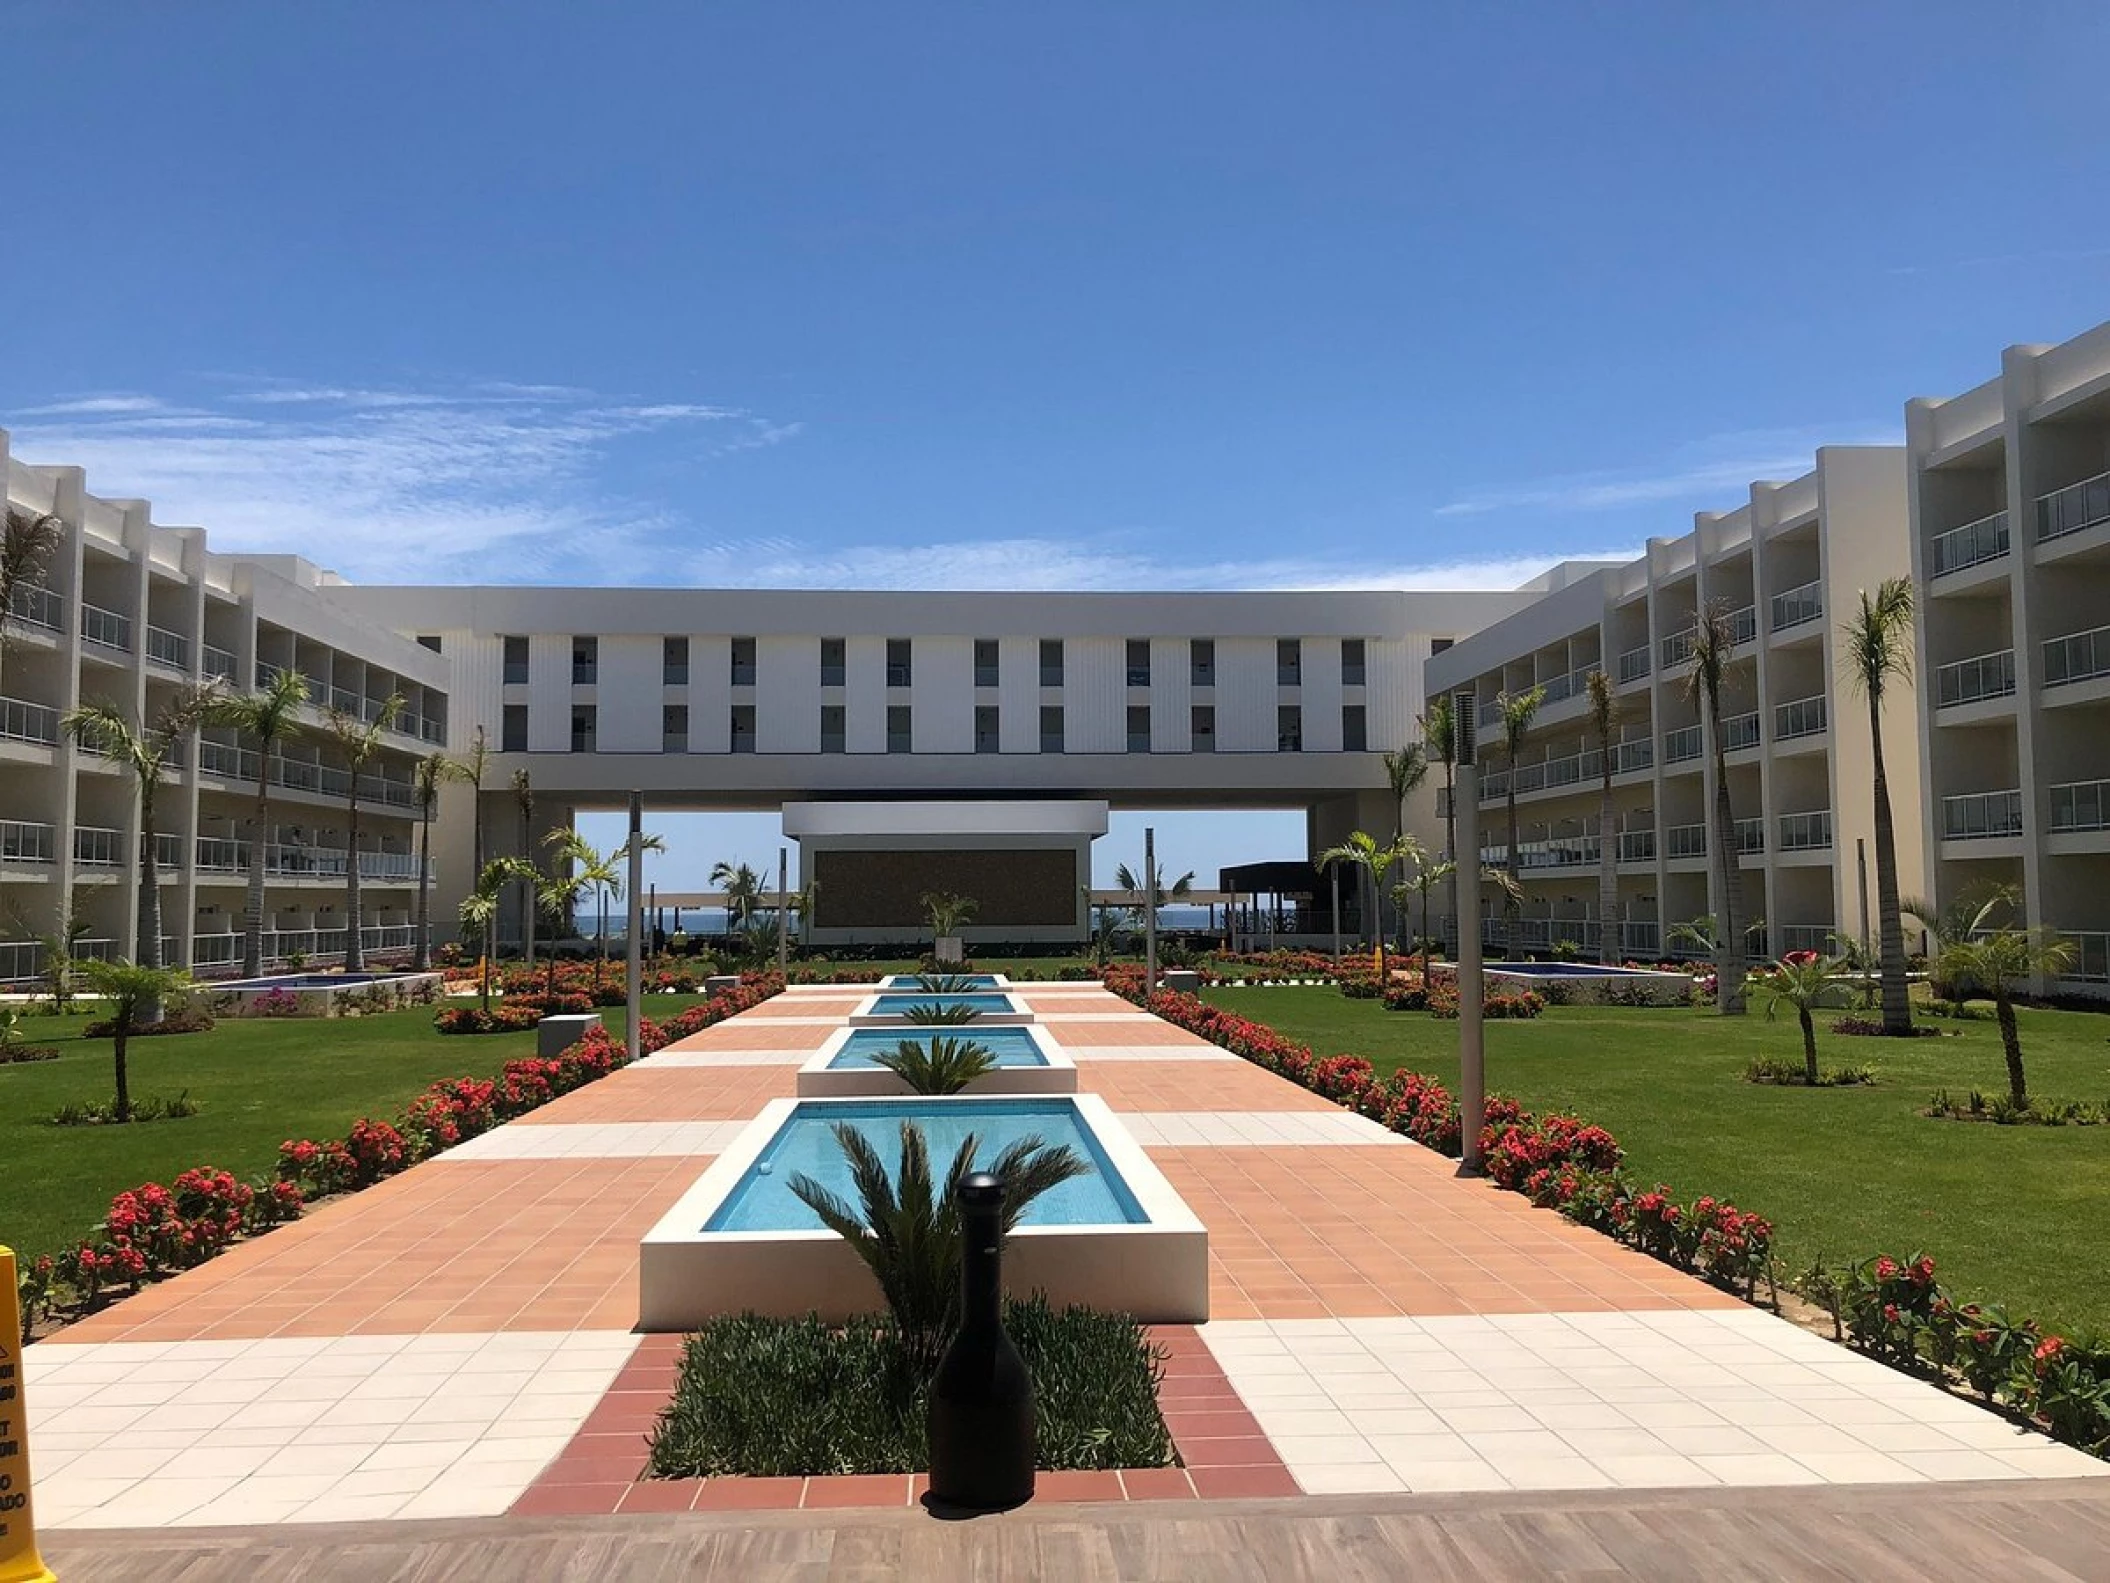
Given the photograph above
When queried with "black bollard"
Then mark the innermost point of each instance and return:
(982, 1431)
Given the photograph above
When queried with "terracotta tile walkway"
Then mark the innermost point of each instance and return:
(1071, 1031)
(1186, 1085)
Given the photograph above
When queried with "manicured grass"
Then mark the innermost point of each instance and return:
(257, 1081)
(2014, 1215)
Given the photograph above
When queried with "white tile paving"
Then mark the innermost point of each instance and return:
(1190, 1129)
(1587, 1401)
(332, 1429)
(596, 1140)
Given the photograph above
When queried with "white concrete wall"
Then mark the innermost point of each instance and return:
(1246, 695)
(787, 695)
(629, 694)
(942, 695)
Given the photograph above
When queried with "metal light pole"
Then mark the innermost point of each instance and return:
(634, 926)
(783, 913)
(1472, 1061)
(1334, 871)
(1150, 909)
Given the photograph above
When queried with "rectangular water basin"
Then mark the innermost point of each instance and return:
(1586, 983)
(740, 1241)
(1028, 1061)
(890, 1008)
(964, 980)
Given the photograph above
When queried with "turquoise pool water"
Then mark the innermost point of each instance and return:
(1010, 1046)
(967, 980)
(898, 1005)
(763, 1200)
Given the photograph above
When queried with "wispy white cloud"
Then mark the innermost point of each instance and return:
(1711, 474)
(93, 404)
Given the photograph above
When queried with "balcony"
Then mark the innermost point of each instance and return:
(1750, 836)
(240, 764)
(1634, 664)
(1637, 846)
(1798, 606)
(36, 606)
(1801, 717)
(106, 629)
(2070, 510)
(169, 650)
(2080, 805)
(220, 664)
(1681, 745)
(22, 721)
(1740, 731)
(1980, 816)
(1685, 840)
(1971, 681)
(1565, 687)
(1632, 756)
(22, 842)
(95, 846)
(2082, 657)
(1806, 832)
(1743, 624)
(1677, 648)
(1973, 544)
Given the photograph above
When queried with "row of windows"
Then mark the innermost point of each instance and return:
(900, 661)
(900, 726)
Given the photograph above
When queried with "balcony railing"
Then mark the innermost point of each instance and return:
(22, 842)
(22, 721)
(1807, 937)
(1978, 816)
(1750, 835)
(231, 763)
(1806, 832)
(1636, 755)
(2078, 658)
(1565, 687)
(1494, 786)
(34, 605)
(219, 662)
(2091, 958)
(1801, 717)
(1634, 664)
(2080, 805)
(2073, 508)
(1743, 624)
(1973, 544)
(1681, 745)
(1677, 648)
(97, 847)
(1797, 606)
(1740, 731)
(170, 650)
(1641, 938)
(1685, 840)
(106, 629)
(1980, 677)
(1637, 846)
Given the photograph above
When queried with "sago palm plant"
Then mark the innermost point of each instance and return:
(938, 1065)
(906, 1226)
(925, 1014)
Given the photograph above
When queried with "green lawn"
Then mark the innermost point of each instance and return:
(257, 1081)
(2012, 1214)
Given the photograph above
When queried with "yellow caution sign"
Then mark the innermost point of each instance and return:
(19, 1561)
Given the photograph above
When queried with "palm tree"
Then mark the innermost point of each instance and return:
(269, 717)
(906, 1227)
(949, 913)
(1405, 770)
(1878, 644)
(135, 992)
(558, 895)
(1806, 984)
(603, 872)
(1713, 640)
(27, 544)
(743, 890)
(1950, 925)
(1604, 716)
(474, 763)
(480, 907)
(147, 754)
(434, 771)
(1993, 959)
(1362, 851)
(524, 799)
(355, 742)
(1439, 735)
(1517, 711)
(1126, 878)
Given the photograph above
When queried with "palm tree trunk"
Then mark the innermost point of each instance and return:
(2011, 1045)
(421, 958)
(147, 947)
(1424, 937)
(1729, 933)
(1608, 950)
(124, 1081)
(253, 903)
(354, 953)
(600, 960)
(1897, 1000)
(1450, 832)
(1809, 1046)
(528, 923)
(486, 984)
(1509, 906)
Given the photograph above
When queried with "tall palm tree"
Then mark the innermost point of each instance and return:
(27, 543)
(356, 741)
(1713, 640)
(146, 754)
(1405, 769)
(1439, 736)
(475, 762)
(434, 770)
(743, 890)
(1878, 652)
(480, 907)
(269, 717)
(1363, 851)
(1517, 711)
(1427, 876)
(1994, 959)
(1604, 716)
(524, 799)
(557, 894)
(135, 993)
(602, 872)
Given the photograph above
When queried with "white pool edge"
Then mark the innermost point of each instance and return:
(1058, 1075)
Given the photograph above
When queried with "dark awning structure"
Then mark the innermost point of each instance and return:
(1297, 878)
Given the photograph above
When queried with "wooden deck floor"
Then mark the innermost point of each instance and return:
(2040, 1531)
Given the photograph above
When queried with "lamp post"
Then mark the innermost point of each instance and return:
(634, 927)
(783, 913)
(1472, 1065)
(1150, 909)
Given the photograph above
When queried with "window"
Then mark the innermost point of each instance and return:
(1355, 729)
(1289, 729)
(1354, 663)
(898, 669)
(1202, 727)
(1201, 662)
(1051, 728)
(585, 661)
(743, 728)
(985, 671)
(1139, 662)
(1051, 662)
(833, 661)
(585, 727)
(743, 662)
(516, 661)
(512, 731)
(834, 733)
(1289, 662)
(900, 729)
(1438, 645)
(674, 728)
(430, 640)
(985, 729)
(674, 662)
(1139, 728)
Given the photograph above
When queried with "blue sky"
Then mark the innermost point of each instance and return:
(1087, 295)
